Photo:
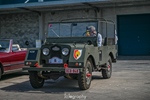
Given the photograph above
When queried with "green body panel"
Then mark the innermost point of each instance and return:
(100, 56)
(37, 57)
(85, 47)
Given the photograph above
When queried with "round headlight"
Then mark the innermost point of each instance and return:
(45, 51)
(65, 51)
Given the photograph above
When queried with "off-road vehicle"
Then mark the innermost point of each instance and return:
(68, 52)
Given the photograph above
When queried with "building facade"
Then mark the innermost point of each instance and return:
(28, 21)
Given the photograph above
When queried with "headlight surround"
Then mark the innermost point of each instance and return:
(45, 51)
(65, 51)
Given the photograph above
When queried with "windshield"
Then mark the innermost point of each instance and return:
(69, 29)
(4, 45)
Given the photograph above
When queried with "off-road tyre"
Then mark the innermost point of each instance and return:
(84, 82)
(35, 81)
(107, 71)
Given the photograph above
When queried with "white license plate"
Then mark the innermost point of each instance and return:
(55, 60)
(72, 70)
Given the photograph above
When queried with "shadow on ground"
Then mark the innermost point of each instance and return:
(60, 85)
(13, 75)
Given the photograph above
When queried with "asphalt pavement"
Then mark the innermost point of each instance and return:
(130, 81)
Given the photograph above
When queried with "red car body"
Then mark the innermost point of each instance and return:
(11, 57)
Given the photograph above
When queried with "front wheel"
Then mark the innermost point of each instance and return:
(85, 77)
(35, 80)
(106, 73)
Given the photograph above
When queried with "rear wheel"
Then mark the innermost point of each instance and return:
(106, 73)
(85, 77)
(35, 80)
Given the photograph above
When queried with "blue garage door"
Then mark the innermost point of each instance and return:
(134, 35)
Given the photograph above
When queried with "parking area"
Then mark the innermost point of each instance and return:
(130, 81)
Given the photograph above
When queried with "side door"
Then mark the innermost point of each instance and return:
(5, 55)
(17, 59)
(5, 61)
(103, 54)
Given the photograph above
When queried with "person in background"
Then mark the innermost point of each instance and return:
(91, 31)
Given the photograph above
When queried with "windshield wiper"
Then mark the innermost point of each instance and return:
(55, 33)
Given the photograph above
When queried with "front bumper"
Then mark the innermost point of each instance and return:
(48, 69)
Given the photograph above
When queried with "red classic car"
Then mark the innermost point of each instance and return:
(11, 57)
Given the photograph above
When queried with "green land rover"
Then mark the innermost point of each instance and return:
(68, 52)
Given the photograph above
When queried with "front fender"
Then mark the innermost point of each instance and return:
(32, 57)
(79, 55)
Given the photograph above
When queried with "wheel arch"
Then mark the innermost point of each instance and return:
(112, 57)
(93, 61)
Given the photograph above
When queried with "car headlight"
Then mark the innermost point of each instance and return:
(65, 51)
(45, 51)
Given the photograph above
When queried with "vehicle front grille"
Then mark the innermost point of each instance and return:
(55, 57)
(55, 53)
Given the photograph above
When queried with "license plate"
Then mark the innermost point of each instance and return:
(55, 60)
(71, 70)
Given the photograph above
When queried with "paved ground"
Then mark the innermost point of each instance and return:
(130, 81)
